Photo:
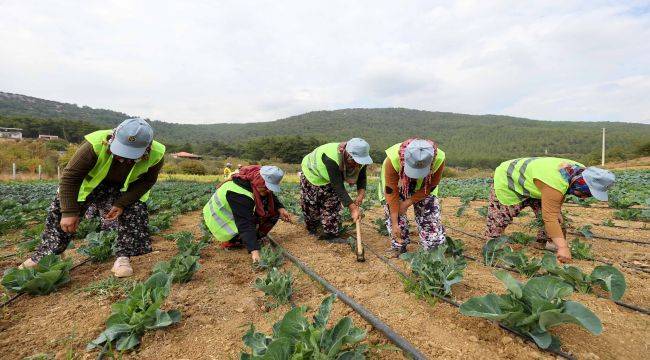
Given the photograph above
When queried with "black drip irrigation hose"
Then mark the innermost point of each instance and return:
(610, 238)
(402, 274)
(13, 298)
(456, 304)
(7, 256)
(617, 302)
(402, 343)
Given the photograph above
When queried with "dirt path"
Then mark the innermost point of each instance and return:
(217, 306)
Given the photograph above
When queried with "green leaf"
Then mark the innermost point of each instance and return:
(546, 287)
(175, 315)
(352, 355)
(47, 262)
(573, 313)
(159, 280)
(332, 340)
(549, 262)
(256, 341)
(610, 279)
(292, 324)
(490, 306)
(127, 342)
(510, 282)
(278, 350)
(322, 316)
(354, 336)
(542, 339)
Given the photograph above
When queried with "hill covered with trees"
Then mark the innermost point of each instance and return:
(469, 140)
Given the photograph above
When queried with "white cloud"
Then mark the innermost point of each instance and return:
(238, 61)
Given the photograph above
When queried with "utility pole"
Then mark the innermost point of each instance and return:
(602, 161)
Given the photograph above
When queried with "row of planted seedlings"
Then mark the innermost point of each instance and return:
(529, 309)
(498, 253)
(52, 271)
(141, 310)
(295, 336)
(168, 200)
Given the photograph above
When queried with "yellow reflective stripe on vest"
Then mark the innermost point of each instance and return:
(521, 181)
(225, 211)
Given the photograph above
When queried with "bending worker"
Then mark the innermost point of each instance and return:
(542, 183)
(245, 208)
(111, 169)
(227, 171)
(409, 177)
(322, 189)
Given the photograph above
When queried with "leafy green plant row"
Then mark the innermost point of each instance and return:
(608, 278)
(277, 285)
(99, 246)
(138, 313)
(434, 272)
(296, 337)
(49, 274)
(270, 258)
(141, 312)
(533, 308)
(185, 263)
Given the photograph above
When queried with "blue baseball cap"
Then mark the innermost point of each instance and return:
(132, 138)
(418, 157)
(598, 181)
(272, 176)
(359, 149)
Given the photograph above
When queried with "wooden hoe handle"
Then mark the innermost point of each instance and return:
(360, 251)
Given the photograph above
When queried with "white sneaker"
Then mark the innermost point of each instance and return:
(122, 267)
(28, 264)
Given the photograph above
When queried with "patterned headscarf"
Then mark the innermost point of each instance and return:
(252, 174)
(405, 180)
(349, 174)
(573, 175)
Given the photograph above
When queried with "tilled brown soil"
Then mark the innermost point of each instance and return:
(626, 257)
(219, 303)
(217, 306)
(625, 331)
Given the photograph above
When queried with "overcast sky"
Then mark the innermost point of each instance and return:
(242, 61)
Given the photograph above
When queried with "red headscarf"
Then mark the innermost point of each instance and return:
(251, 174)
(405, 180)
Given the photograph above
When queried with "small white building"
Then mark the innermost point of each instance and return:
(11, 133)
(48, 137)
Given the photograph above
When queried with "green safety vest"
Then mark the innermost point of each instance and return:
(217, 213)
(315, 170)
(392, 153)
(514, 179)
(104, 160)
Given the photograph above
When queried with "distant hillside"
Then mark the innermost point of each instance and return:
(469, 140)
(15, 105)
